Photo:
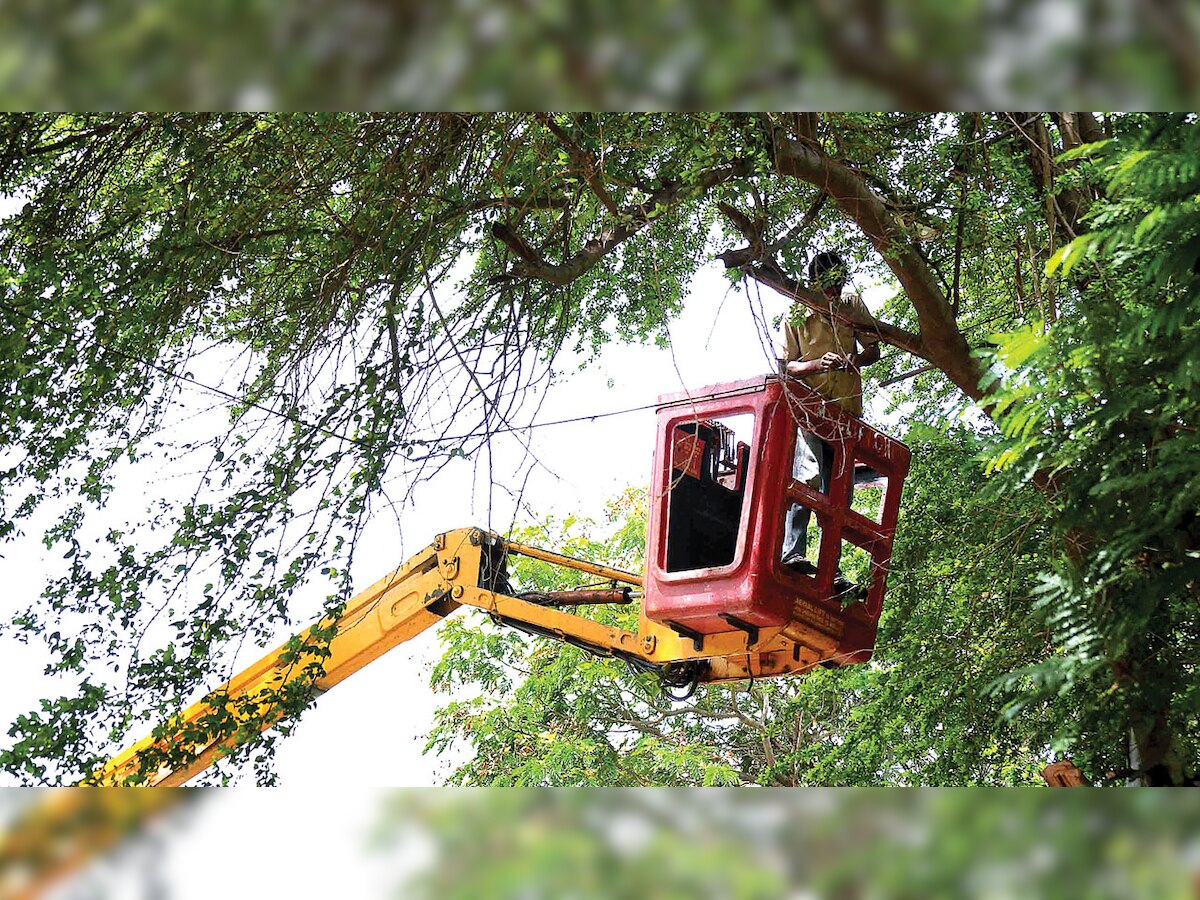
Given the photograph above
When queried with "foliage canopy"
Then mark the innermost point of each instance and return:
(369, 296)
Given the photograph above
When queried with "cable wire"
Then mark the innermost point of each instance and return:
(187, 379)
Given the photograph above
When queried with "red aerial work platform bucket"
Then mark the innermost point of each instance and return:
(726, 478)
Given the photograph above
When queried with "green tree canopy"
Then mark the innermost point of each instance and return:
(377, 294)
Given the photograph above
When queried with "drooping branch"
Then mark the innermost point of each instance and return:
(633, 219)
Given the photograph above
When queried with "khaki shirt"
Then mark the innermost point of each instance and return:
(818, 335)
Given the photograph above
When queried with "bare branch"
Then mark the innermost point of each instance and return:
(632, 220)
(911, 373)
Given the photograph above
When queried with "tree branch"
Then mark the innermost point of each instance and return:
(806, 222)
(584, 161)
(522, 202)
(635, 218)
(940, 340)
(911, 373)
(514, 242)
(768, 272)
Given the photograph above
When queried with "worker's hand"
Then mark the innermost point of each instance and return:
(833, 361)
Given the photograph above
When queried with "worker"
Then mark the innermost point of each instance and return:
(827, 354)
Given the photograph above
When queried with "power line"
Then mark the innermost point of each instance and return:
(589, 417)
(317, 427)
(184, 377)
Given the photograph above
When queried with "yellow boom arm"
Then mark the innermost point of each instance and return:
(466, 567)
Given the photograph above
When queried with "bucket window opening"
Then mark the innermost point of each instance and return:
(857, 569)
(818, 543)
(803, 531)
(870, 491)
(710, 459)
(812, 465)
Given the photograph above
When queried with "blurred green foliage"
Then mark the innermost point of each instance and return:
(925, 54)
(823, 844)
(585, 844)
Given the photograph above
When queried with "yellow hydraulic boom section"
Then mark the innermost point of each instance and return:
(466, 567)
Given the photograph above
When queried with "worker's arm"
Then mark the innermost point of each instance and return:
(868, 340)
(864, 357)
(801, 368)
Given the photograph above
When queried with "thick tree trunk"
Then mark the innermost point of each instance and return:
(1154, 750)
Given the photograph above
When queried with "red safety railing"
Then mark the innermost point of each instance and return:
(717, 517)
